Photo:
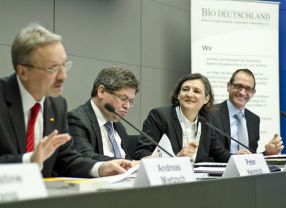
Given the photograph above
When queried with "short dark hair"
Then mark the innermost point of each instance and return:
(208, 90)
(115, 78)
(247, 71)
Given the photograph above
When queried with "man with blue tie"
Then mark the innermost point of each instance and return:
(98, 133)
(235, 119)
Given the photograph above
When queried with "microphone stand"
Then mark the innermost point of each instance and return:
(111, 109)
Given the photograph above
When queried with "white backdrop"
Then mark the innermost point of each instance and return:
(228, 35)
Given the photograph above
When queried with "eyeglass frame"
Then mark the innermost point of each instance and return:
(54, 69)
(122, 98)
(239, 87)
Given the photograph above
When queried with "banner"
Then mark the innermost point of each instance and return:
(229, 35)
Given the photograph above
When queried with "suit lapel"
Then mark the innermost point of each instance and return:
(225, 119)
(177, 128)
(122, 134)
(249, 126)
(95, 126)
(49, 117)
(16, 112)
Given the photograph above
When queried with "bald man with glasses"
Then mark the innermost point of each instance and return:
(98, 133)
(235, 119)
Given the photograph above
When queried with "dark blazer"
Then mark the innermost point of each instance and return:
(65, 161)
(164, 120)
(220, 119)
(84, 129)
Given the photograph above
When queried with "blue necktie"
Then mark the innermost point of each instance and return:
(110, 131)
(241, 130)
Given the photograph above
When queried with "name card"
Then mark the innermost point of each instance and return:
(21, 181)
(160, 171)
(245, 165)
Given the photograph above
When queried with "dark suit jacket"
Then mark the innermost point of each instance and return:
(165, 121)
(84, 129)
(65, 161)
(220, 119)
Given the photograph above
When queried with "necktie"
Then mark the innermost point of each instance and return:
(110, 131)
(30, 139)
(241, 130)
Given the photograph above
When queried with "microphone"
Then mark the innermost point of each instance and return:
(204, 121)
(111, 109)
(283, 114)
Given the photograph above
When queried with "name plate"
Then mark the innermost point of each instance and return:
(245, 165)
(160, 171)
(21, 181)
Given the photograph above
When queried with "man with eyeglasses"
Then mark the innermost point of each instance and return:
(98, 133)
(33, 114)
(235, 119)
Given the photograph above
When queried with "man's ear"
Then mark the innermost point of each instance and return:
(101, 91)
(228, 86)
(22, 72)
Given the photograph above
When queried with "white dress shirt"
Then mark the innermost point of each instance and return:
(232, 111)
(107, 146)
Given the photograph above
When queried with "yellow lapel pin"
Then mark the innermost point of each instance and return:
(52, 119)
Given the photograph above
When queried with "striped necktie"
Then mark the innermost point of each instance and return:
(110, 131)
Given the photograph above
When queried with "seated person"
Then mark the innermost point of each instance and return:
(192, 97)
(241, 88)
(33, 114)
(87, 123)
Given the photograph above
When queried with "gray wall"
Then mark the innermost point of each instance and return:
(149, 37)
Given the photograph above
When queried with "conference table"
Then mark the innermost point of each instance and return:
(267, 190)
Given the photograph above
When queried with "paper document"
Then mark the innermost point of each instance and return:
(120, 177)
(166, 144)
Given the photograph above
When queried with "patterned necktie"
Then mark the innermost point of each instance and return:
(110, 131)
(241, 130)
(30, 138)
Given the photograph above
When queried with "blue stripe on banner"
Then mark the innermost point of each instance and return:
(282, 63)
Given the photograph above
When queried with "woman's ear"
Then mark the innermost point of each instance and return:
(207, 99)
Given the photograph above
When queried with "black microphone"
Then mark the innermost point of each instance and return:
(204, 121)
(111, 109)
(283, 114)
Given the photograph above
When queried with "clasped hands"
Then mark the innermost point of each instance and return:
(189, 149)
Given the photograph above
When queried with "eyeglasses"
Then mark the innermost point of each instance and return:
(54, 69)
(123, 98)
(239, 87)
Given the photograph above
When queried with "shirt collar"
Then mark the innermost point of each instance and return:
(99, 115)
(184, 119)
(27, 99)
(232, 110)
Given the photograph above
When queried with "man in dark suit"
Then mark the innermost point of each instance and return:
(116, 86)
(241, 89)
(33, 115)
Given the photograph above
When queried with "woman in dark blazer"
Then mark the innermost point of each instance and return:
(192, 97)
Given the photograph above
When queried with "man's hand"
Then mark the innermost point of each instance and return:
(48, 146)
(189, 149)
(275, 146)
(114, 167)
(243, 152)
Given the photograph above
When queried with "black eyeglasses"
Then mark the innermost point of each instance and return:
(54, 69)
(239, 87)
(123, 98)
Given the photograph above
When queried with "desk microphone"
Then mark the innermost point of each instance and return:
(283, 114)
(111, 109)
(204, 121)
